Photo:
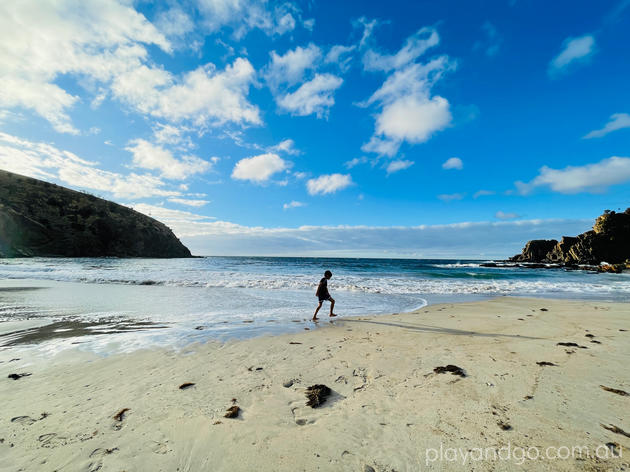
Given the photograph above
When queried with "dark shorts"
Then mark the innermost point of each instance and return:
(324, 298)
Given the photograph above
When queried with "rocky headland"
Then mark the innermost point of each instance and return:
(38, 218)
(605, 248)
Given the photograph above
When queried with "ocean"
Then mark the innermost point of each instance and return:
(109, 305)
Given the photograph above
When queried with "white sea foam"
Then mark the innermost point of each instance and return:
(455, 278)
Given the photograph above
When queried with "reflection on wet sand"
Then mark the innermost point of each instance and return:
(20, 289)
(72, 328)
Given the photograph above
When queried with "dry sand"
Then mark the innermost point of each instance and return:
(388, 410)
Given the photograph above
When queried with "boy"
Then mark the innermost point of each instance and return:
(322, 294)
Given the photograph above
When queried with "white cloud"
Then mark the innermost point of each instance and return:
(506, 216)
(574, 50)
(293, 204)
(309, 24)
(449, 197)
(47, 100)
(592, 178)
(355, 162)
(331, 183)
(314, 94)
(412, 80)
(291, 67)
(483, 193)
(313, 97)
(284, 23)
(259, 168)
(395, 166)
(368, 28)
(245, 15)
(616, 121)
(340, 55)
(130, 186)
(413, 119)
(174, 22)
(44, 161)
(189, 202)
(286, 146)
(103, 46)
(97, 39)
(408, 111)
(383, 147)
(152, 157)
(172, 135)
(453, 163)
(99, 98)
(415, 46)
(176, 218)
(203, 96)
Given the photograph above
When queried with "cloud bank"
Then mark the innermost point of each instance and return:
(498, 239)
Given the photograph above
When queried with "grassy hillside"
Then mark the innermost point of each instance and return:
(38, 218)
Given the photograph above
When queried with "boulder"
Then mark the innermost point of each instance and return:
(612, 268)
(535, 250)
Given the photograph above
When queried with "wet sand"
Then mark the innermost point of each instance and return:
(389, 409)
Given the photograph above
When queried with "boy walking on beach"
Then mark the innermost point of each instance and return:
(322, 294)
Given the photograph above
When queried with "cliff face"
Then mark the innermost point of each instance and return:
(609, 241)
(42, 219)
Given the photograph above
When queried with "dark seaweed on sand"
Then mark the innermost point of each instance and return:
(121, 414)
(623, 393)
(232, 412)
(18, 376)
(453, 369)
(571, 345)
(316, 395)
(616, 429)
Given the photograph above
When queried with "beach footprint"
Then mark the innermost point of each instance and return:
(97, 457)
(160, 447)
(362, 376)
(52, 440)
(27, 420)
(23, 420)
(301, 413)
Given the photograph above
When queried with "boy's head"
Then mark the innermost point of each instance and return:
(328, 274)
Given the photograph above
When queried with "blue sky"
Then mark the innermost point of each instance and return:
(413, 129)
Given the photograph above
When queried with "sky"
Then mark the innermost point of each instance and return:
(448, 129)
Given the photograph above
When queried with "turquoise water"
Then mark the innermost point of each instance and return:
(125, 304)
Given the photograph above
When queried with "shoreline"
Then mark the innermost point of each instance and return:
(388, 409)
(139, 326)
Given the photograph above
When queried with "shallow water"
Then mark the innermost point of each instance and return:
(108, 305)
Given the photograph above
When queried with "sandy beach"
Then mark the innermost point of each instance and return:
(388, 410)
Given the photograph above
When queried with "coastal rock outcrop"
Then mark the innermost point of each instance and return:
(38, 218)
(536, 250)
(608, 241)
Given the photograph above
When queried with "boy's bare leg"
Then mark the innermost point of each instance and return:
(316, 310)
(332, 305)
